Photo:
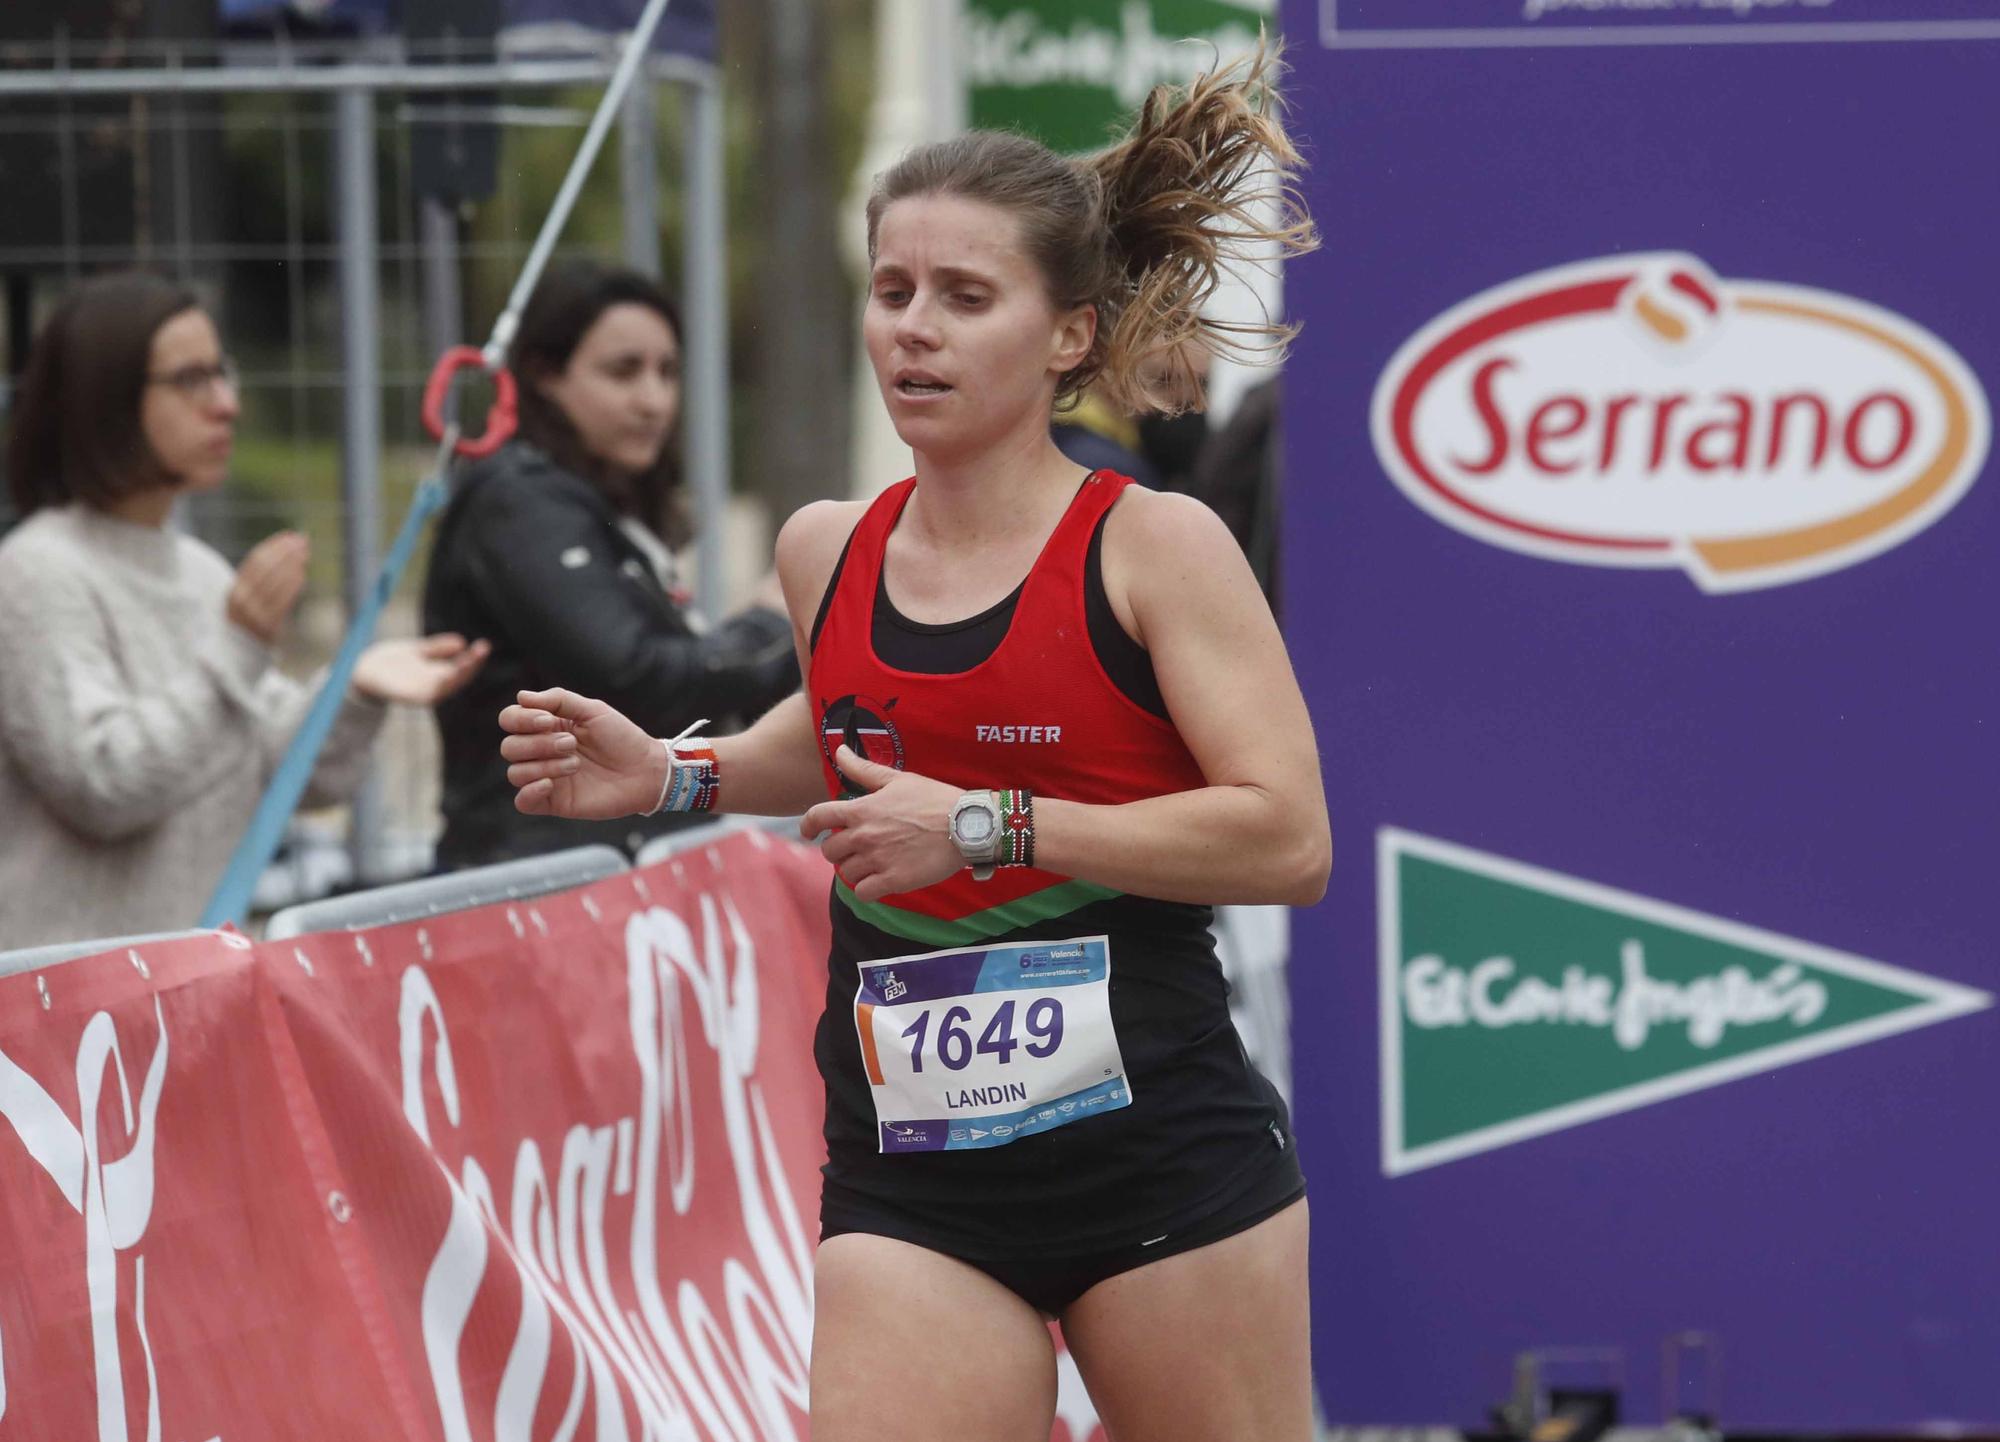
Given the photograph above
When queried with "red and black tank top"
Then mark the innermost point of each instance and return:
(1042, 691)
(1039, 711)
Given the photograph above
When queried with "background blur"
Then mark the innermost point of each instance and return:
(250, 194)
(260, 149)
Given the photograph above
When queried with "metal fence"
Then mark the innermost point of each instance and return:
(279, 181)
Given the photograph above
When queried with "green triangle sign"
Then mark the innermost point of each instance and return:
(1518, 1001)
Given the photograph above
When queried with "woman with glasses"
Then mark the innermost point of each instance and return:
(140, 710)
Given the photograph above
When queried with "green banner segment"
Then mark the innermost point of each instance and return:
(1518, 1001)
(1072, 73)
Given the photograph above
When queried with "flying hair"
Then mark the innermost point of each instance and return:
(1145, 230)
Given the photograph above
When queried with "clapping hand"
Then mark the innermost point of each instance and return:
(419, 670)
(268, 583)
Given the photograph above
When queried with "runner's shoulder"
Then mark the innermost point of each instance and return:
(1159, 542)
(810, 543)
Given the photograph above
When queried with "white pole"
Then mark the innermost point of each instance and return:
(920, 97)
(705, 301)
(361, 400)
(639, 177)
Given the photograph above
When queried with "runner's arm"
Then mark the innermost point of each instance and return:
(574, 756)
(773, 769)
(1258, 832)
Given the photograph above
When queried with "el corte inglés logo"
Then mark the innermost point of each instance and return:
(1641, 411)
(1517, 1001)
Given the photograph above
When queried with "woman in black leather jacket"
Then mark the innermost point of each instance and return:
(559, 549)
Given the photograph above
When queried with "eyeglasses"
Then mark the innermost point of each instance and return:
(196, 383)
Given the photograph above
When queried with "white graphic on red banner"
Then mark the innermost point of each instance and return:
(540, 1171)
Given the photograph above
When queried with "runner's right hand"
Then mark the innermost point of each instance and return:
(571, 756)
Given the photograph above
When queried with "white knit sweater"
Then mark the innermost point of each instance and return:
(137, 728)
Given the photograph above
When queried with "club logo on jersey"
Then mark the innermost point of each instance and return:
(862, 724)
(1641, 411)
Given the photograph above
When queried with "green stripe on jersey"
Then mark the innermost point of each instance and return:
(1043, 905)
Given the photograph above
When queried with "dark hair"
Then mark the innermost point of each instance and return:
(564, 306)
(77, 431)
(1145, 230)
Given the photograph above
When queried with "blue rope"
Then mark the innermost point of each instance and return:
(231, 901)
(288, 783)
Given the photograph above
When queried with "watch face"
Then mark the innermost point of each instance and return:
(975, 825)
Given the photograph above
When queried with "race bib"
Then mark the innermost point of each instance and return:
(979, 1046)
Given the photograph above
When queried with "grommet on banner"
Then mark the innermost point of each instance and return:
(336, 1203)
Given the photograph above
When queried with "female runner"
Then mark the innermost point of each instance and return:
(1060, 725)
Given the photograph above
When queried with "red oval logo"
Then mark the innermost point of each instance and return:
(1640, 411)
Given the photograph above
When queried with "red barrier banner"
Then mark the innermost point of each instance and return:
(540, 1170)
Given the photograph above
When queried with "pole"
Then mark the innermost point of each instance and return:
(361, 398)
(444, 306)
(639, 175)
(704, 285)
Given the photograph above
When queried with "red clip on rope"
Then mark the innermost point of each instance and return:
(501, 417)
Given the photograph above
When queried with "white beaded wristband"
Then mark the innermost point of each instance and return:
(667, 786)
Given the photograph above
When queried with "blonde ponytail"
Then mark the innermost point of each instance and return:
(1203, 183)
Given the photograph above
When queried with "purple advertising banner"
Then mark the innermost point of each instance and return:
(1422, 24)
(1643, 555)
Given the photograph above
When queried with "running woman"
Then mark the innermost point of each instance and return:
(1058, 725)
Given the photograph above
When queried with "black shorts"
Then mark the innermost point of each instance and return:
(1051, 1284)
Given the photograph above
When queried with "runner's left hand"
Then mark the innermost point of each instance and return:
(892, 840)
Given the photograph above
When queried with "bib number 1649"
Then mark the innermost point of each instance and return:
(954, 1045)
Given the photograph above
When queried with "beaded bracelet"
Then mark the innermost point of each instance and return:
(693, 774)
(1017, 828)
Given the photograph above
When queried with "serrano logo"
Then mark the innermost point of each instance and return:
(1640, 411)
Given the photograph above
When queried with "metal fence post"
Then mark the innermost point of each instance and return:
(639, 174)
(705, 300)
(361, 397)
(444, 305)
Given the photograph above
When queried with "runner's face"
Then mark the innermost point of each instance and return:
(622, 387)
(966, 344)
(188, 409)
